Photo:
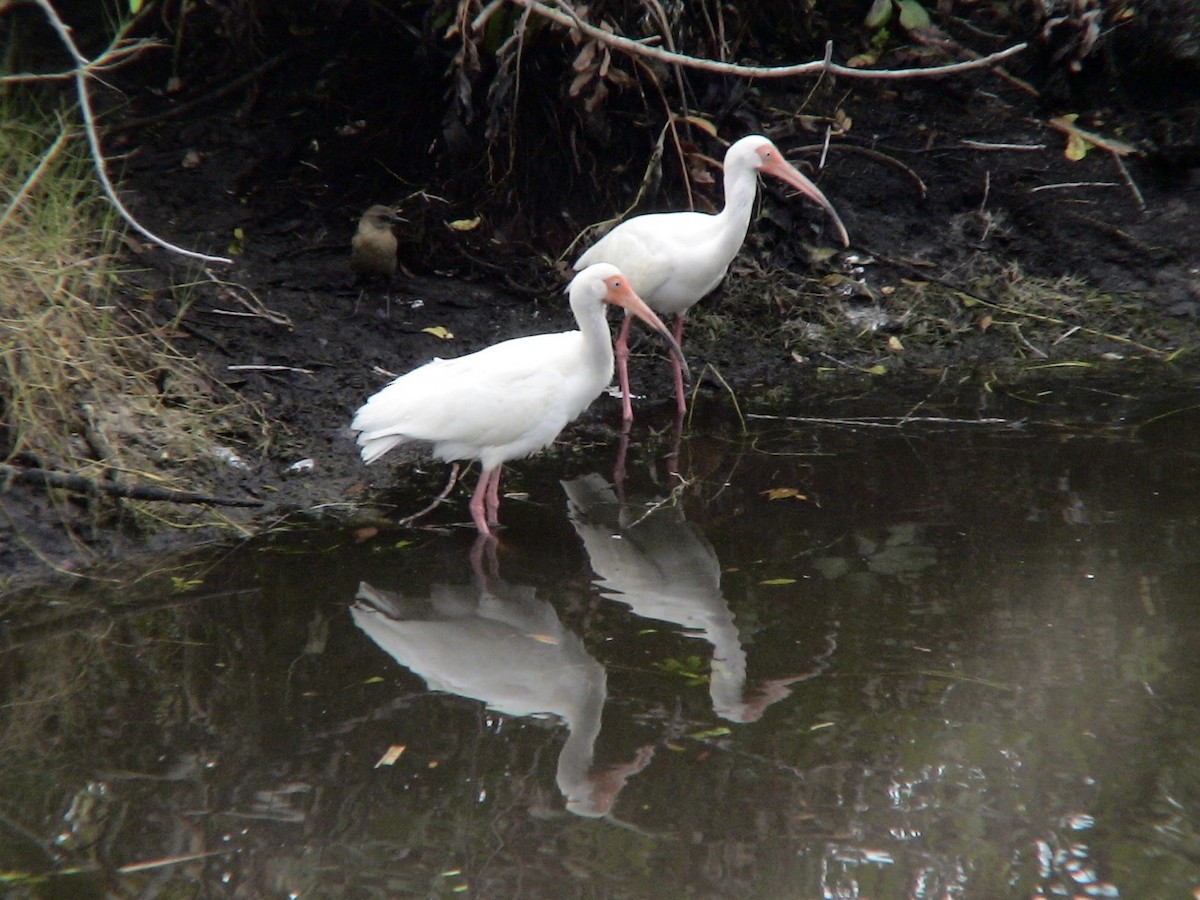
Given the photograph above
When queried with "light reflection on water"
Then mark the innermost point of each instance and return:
(932, 661)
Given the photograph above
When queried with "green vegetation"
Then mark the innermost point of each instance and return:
(88, 388)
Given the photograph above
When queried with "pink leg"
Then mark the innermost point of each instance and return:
(621, 349)
(676, 370)
(479, 498)
(493, 498)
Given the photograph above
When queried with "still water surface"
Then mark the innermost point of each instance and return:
(956, 656)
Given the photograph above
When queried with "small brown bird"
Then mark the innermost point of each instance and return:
(373, 249)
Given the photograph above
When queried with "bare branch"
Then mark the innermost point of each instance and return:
(116, 54)
(571, 20)
(78, 484)
(83, 70)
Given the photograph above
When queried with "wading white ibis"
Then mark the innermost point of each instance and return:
(674, 259)
(509, 400)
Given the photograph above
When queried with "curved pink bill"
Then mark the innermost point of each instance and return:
(783, 170)
(621, 294)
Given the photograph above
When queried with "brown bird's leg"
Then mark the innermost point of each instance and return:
(680, 397)
(621, 351)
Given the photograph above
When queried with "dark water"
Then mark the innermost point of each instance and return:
(929, 659)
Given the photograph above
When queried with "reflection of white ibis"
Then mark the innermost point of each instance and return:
(674, 259)
(508, 400)
(498, 643)
(662, 566)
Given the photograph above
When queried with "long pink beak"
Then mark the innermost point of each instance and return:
(783, 170)
(621, 294)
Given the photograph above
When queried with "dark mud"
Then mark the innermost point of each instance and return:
(937, 181)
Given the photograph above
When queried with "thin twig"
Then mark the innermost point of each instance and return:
(262, 368)
(1064, 185)
(880, 421)
(709, 367)
(1112, 145)
(255, 307)
(438, 500)
(83, 72)
(1129, 182)
(117, 53)
(870, 154)
(988, 145)
(810, 68)
(1037, 351)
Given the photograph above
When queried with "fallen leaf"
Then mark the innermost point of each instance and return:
(862, 60)
(703, 124)
(913, 15)
(1077, 147)
(720, 731)
(876, 370)
(784, 493)
(439, 332)
(879, 14)
(365, 533)
(465, 224)
(778, 581)
(393, 753)
(894, 344)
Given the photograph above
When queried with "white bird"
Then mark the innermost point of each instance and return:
(674, 259)
(509, 400)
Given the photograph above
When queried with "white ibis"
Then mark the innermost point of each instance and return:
(674, 259)
(509, 400)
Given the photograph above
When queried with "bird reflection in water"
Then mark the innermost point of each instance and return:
(661, 565)
(500, 644)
